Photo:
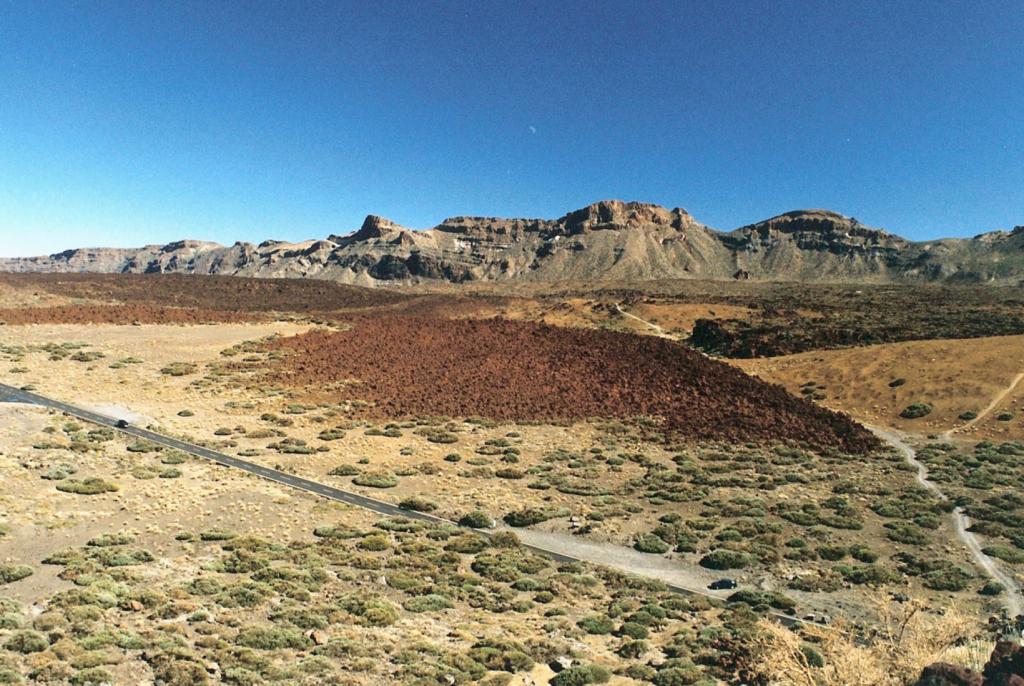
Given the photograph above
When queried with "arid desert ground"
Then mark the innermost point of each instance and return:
(597, 458)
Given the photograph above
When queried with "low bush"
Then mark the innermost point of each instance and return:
(27, 642)
(271, 638)
(427, 603)
(649, 543)
(11, 573)
(581, 676)
(533, 515)
(418, 504)
(376, 480)
(725, 559)
(90, 486)
(916, 411)
(179, 369)
(597, 624)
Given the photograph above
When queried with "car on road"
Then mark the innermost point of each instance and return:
(122, 424)
(722, 585)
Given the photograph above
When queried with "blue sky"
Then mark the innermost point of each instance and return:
(124, 123)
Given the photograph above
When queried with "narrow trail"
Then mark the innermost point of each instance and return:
(1000, 397)
(1013, 600)
(657, 329)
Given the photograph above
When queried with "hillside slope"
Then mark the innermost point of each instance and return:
(608, 240)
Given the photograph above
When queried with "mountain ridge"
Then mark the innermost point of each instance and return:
(606, 240)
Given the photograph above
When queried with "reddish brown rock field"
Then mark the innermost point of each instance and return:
(119, 314)
(507, 370)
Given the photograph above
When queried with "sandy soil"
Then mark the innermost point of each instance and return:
(42, 520)
(954, 376)
(679, 317)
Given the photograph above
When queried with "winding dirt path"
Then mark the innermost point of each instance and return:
(1000, 397)
(1013, 600)
(658, 331)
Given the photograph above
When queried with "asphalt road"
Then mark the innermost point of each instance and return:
(12, 394)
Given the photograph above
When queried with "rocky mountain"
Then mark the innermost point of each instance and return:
(609, 240)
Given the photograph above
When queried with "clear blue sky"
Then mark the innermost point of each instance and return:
(123, 123)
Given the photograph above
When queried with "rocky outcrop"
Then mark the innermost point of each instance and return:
(608, 240)
(1004, 668)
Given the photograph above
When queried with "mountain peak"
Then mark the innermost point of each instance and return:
(618, 214)
(375, 226)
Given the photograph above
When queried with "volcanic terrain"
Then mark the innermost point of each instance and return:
(505, 370)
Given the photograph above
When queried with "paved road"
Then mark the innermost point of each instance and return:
(11, 394)
(386, 509)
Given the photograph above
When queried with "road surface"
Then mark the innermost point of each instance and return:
(11, 394)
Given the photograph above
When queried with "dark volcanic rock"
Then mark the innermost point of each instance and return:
(943, 674)
(509, 370)
(1006, 666)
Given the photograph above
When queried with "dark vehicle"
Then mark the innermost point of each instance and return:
(722, 585)
(122, 423)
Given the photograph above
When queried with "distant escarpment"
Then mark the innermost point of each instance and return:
(609, 240)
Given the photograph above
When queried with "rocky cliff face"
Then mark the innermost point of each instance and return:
(609, 240)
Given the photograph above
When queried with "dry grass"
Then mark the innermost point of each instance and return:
(907, 638)
(954, 376)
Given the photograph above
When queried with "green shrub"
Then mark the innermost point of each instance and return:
(649, 543)
(833, 553)
(27, 642)
(762, 600)
(427, 603)
(505, 656)
(90, 486)
(948, 578)
(1005, 553)
(725, 559)
(376, 480)
(11, 573)
(469, 544)
(418, 504)
(862, 553)
(374, 543)
(991, 588)
(533, 515)
(370, 610)
(476, 520)
(597, 624)
(633, 630)
(93, 676)
(179, 369)
(581, 676)
(677, 676)
(911, 534)
(339, 531)
(271, 638)
(916, 411)
(216, 535)
(866, 574)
